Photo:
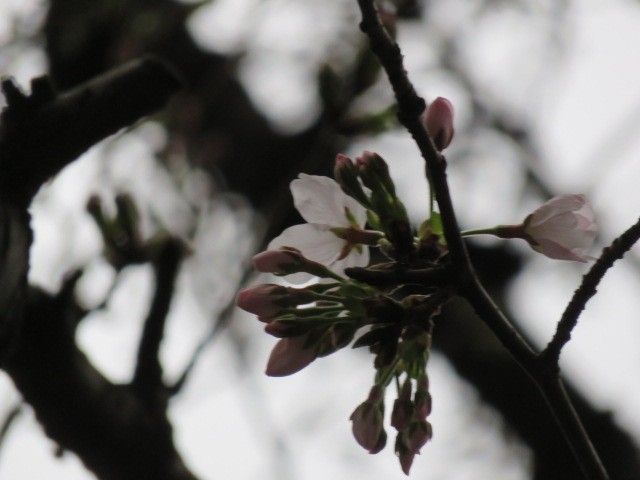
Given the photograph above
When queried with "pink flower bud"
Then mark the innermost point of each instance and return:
(402, 408)
(263, 300)
(280, 262)
(281, 329)
(365, 158)
(290, 356)
(405, 455)
(342, 161)
(346, 174)
(563, 228)
(406, 460)
(438, 121)
(367, 422)
(418, 433)
(423, 405)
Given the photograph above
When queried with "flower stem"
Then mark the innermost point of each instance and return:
(480, 231)
(384, 380)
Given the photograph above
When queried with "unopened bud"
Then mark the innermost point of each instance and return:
(417, 434)
(262, 300)
(422, 402)
(280, 262)
(438, 121)
(402, 407)
(289, 356)
(367, 421)
(345, 173)
(269, 300)
(374, 172)
(405, 455)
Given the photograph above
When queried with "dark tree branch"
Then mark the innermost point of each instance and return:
(147, 378)
(106, 425)
(588, 289)
(410, 106)
(42, 133)
(113, 432)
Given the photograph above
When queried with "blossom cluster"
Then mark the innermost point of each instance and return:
(354, 299)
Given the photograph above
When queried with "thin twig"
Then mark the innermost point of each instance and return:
(147, 378)
(588, 289)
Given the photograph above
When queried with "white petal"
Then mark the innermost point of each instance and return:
(555, 206)
(315, 242)
(321, 200)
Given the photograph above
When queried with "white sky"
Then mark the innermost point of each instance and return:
(232, 421)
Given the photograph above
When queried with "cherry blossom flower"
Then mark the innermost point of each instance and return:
(332, 216)
(563, 228)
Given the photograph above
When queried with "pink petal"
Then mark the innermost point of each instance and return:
(556, 251)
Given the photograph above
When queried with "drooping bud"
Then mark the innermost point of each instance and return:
(367, 421)
(263, 300)
(417, 434)
(289, 356)
(279, 262)
(405, 455)
(422, 398)
(438, 121)
(284, 329)
(345, 173)
(402, 407)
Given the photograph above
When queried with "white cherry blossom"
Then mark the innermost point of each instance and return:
(323, 204)
(563, 228)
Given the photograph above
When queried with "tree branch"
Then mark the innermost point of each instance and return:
(43, 132)
(588, 289)
(147, 378)
(106, 425)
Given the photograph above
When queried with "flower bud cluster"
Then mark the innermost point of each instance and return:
(396, 300)
(322, 318)
(409, 418)
(310, 322)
